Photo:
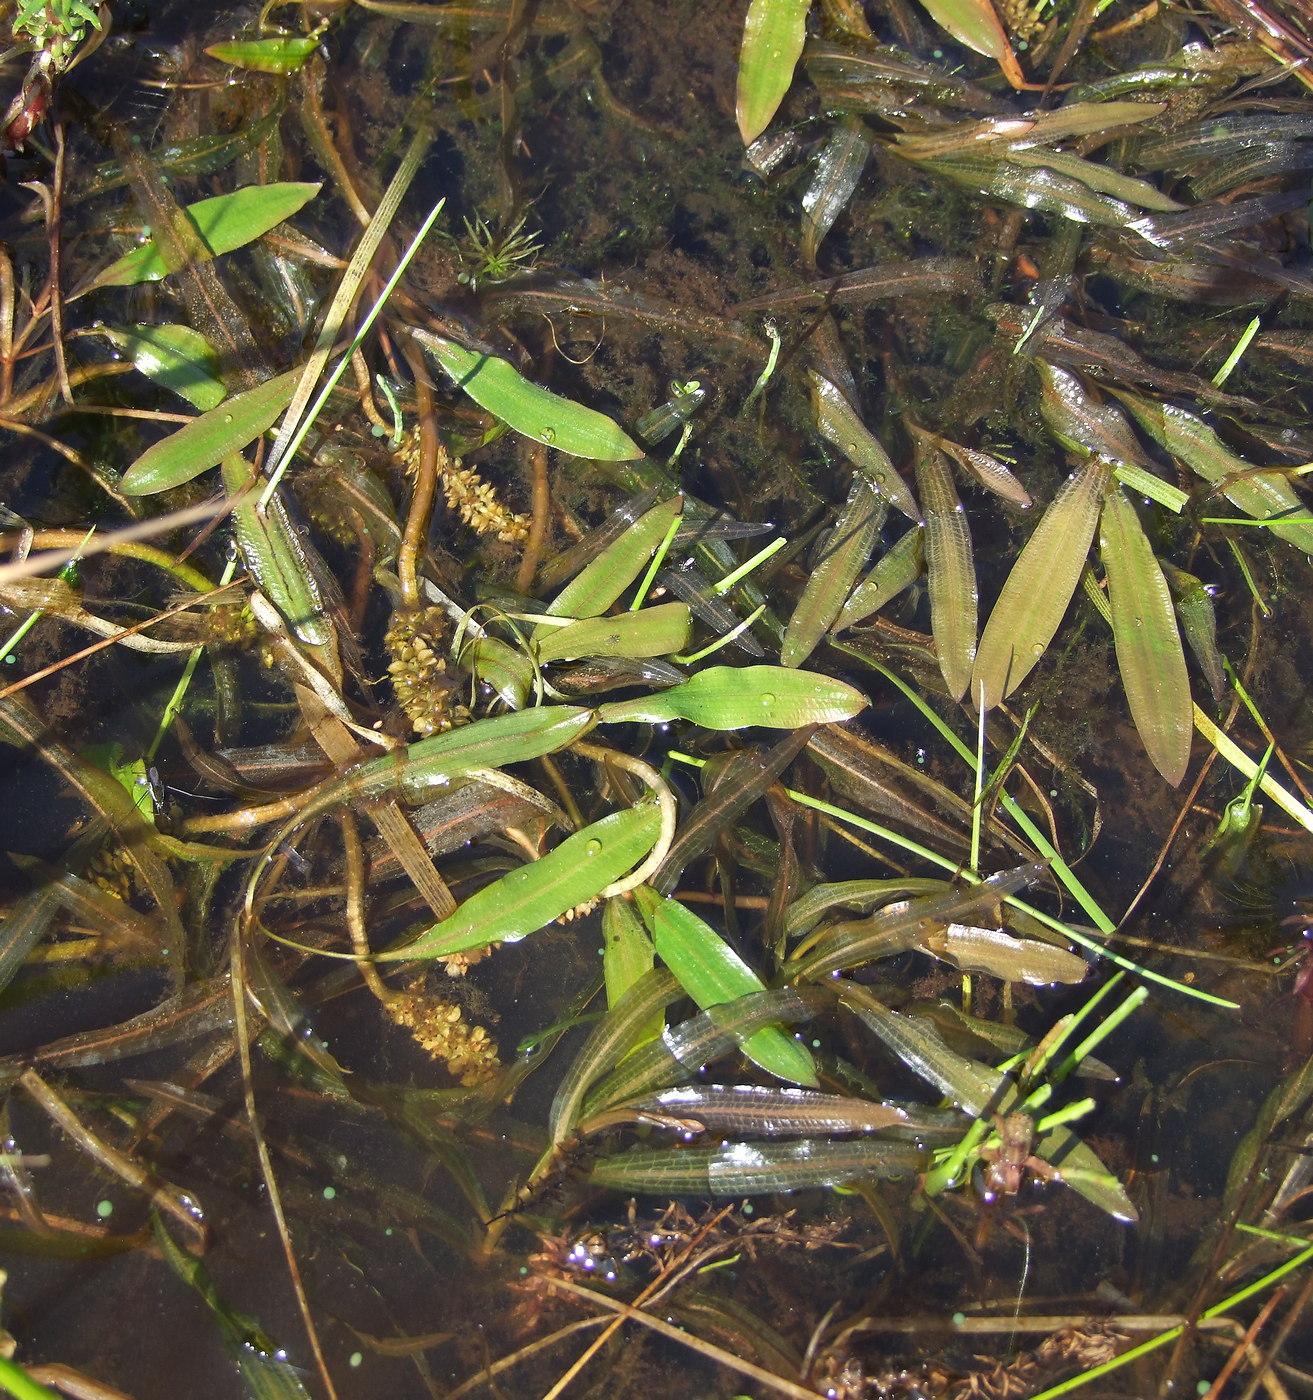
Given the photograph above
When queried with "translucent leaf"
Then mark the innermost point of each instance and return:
(1149, 653)
(601, 582)
(844, 557)
(1039, 588)
(975, 24)
(838, 421)
(950, 567)
(278, 55)
(773, 36)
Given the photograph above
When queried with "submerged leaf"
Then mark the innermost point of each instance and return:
(654, 631)
(838, 421)
(1039, 588)
(950, 567)
(1149, 653)
(975, 24)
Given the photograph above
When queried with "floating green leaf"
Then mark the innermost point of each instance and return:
(175, 357)
(712, 973)
(773, 36)
(601, 582)
(529, 898)
(225, 222)
(278, 55)
(655, 631)
(495, 384)
(1040, 587)
(207, 440)
(1149, 653)
(728, 697)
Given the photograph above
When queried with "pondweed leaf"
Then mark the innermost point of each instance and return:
(729, 697)
(838, 421)
(278, 55)
(773, 36)
(495, 384)
(654, 631)
(975, 24)
(207, 440)
(1040, 586)
(225, 222)
(712, 973)
(1080, 1168)
(175, 357)
(605, 578)
(1149, 653)
(897, 569)
(950, 567)
(844, 557)
(529, 898)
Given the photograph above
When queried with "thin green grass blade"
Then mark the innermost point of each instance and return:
(773, 36)
(1149, 652)
(849, 548)
(712, 973)
(1039, 588)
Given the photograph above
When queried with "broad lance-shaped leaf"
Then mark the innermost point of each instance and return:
(1260, 494)
(845, 555)
(279, 55)
(1080, 1168)
(895, 571)
(605, 578)
(773, 36)
(207, 440)
(224, 222)
(495, 384)
(950, 568)
(529, 898)
(838, 421)
(654, 631)
(1039, 588)
(1149, 653)
(729, 697)
(712, 973)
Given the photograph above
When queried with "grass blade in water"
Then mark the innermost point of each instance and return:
(846, 553)
(529, 898)
(712, 973)
(1149, 653)
(1039, 588)
(950, 568)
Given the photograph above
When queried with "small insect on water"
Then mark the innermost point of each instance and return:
(1009, 1161)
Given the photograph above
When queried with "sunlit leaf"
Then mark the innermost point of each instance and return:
(773, 36)
(728, 697)
(277, 55)
(530, 897)
(844, 556)
(1149, 654)
(601, 582)
(712, 973)
(897, 569)
(1198, 619)
(1039, 588)
(975, 24)
(998, 954)
(759, 1110)
(1081, 1169)
(495, 384)
(225, 222)
(950, 567)
(838, 169)
(175, 357)
(207, 440)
